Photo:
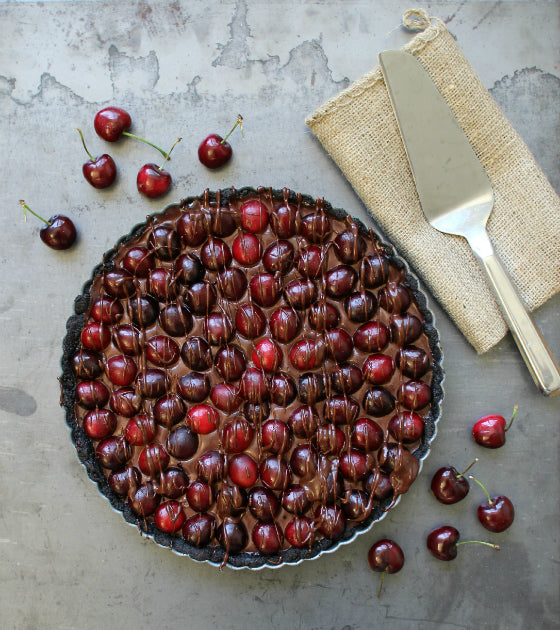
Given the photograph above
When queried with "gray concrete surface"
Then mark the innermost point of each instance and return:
(187, 69)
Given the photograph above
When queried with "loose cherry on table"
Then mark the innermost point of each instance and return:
(443, 542)
(449, 486)
(496, 515)
(100, 171)
(152, 180)
(59, 232)
(490, 431)
(385, 556)
(214, 151)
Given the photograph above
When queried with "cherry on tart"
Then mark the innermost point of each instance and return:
(497, 514)
(100, 171)
(214, 151)
(254, 376)
(443, 541)
(385, 556)
(490, 431)
(59, 232)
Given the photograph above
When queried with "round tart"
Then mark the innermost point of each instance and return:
(252, 377)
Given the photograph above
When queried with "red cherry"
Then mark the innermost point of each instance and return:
(199, 496)
(100, 423)
(169, 517)
(254, 386)
(279, 257)
(299, 532)
(254, 216)
(275, 473)
(250, 321)
(497, 514)
(162, 350)
(59, 232)
(140, 430)
(490, 431)
(355, 465)
(139, 261)
(443, 541)
(111, 122)
(153, 460)
(276, 436)
(100, 171)
(264, 289)
(284, 324)
(448, 486)
(153, 181)
(330, 520)
(378, 368)
(307, 354)
(214, 151)
(243, 470)
(247, 249)
(267, 537)
(284, 220)
(385, 556)
(406, 427)
(199, 529)
(367, 435)
(414, 394)
(121, 370)
(237, 435)
(225, 397)
(113, 452)
(95, 336)
(202, 419)
(267, 355)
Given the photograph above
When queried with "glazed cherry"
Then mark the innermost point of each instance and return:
(316, 227)
(182, 443)
(279, 257)
(406, 427)
(304, 421)
(152, 382)
(256, 413)
(254, 386)
(225, 397)
(199, 496)
(331, 521)
(232, 536)
(339, 344)
(111, 122)
(330, 439)
(192, 228)
(118, 283)
(497, 514)
(385, 556)
(145, 500)
(449, 486)
(263, 504)
(189, 268)
(304, 460)
(169, 410)
(394, 298)
(378, 402)
(341, 410)
(95, 336)
(284, 324)
(232, 284)
(405, 329)
(414, 394)
(237, 435)
(340, 281)
(199, 529)
(412, 361)
(140, 430)
(218, 328)
(162, 350)
(282, 389)
(307, 354)
(284, 220)
(247, 249)
(360, 306)
(443, 541)
(222, 221)
(125, 401)
(231, 501)
(267, 537)
(201, 297)
(250, 321)
(299, 532)
(379, 485)
(153, 459)
(194, 386)
(214, 151)
(196, 354)
(267, 355)
(310, 261)
(374, 270)
(169, 517)
(87, 364)
(176, 320)
(125, 481)
(100, 171)
(161, 284)
(139, 261)
(113, 452)
(254, 216)
(264, 289)
(152, 180)
(121, 370)
(215, 254)
(490, 431)
(371, 337)
(59, 232)
(378, 369)
(323, 316)
(346, 378)
(276, 436)
(211, 466)
(202, 419)
(275, 473)
(349, 246)
(173, 483)
(144, 310)
(243, 470)
(230, 363)
(100, 423)
(355, 465)
(294, 499)
(367, 435)
(300, 294)
(356, 505)
(311, 388)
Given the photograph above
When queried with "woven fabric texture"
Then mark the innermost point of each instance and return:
(359, 130)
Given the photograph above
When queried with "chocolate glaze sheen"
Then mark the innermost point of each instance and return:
(312, 399)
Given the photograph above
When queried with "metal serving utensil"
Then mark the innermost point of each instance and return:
(456, 195)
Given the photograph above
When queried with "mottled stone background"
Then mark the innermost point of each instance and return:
(187, 69)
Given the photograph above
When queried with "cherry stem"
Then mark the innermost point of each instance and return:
(131, 135)
(468, 468)
(84, 143)
(26, 208)
(485, 491)
(238, 123)
(167, 155)
(512, 417)
(385, 571)
(480, 542)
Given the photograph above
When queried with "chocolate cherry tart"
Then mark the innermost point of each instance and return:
(252, 377)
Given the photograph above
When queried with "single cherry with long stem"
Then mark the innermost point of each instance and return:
(497, 514)
(214, 151)
(443, 542)
(153, 181)
(490, 431)
(385, 556)
(59, 232)
(100, 171)
(448, 486)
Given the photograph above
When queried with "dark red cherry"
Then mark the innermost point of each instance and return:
(490, 431)
(107, 310)
(338, 344)
(110, 122)
(162, 351)
(264, 289)
(118, 283)
(378, 402)
(300, 294)
(87, 364)
(330, 439)
(201, 297)
(182, 443)
(379, 484)
(311, 388)
(378, 369)
(299, 532)
(414, 394)
(153, 460)
(254, 385)
(191, 227)
(341, 410)
(125, 401)
(247, 249)
(443, 542)
(214, 152)
(161, 284)
(243, 470)
(367, 435)
(169, 410)
(237, 435)
(215, 254)
(316, 227)
(194, 386)
(232, 284)
(394, 298)
(449, 486)
(385, 556)
(196, 354)
(310, 261)
(374, 270)
(113, 452)
(355, 465)
(225, 397)
(164, 242)
(144, 310)
(294, 499)
(95, 336)
(276, 436)
(254, 216)
(402, 465)
(412, 361)
(218, 328)
(230, 363)
(263, 504)
(153, 181)
(346, 378)
(121, 370)
(304, 460)
(231, 501)
(303, 421)
(173, 482)
(340, 281)
(145, 500)
(152, 382)
(125, 481)
(284, 324)
(126, 338)
(176, 320)
(189, 269)
(282, 389)
(284, 221)
(406, 427)
(256, 413)
(405, 329)
(232, 536)
(307, 354)
(371, 337)
(250, 321)
(100, 423)
(331, 521)
(222, 222)
(275, 473)
(59, 232)
(356, 505)
(349, 246)
(211, 466)
(140, 430)
(198, 530)
(267, 537)
(199, 496)
(360, 306)
(279, 257)
(267, 355)
(202, 419)
(138, 261)
(497, 513)
(323, 316)
(169, 517)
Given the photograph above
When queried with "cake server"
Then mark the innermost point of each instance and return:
(456, 195)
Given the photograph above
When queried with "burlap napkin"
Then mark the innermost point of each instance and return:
(359, 130)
